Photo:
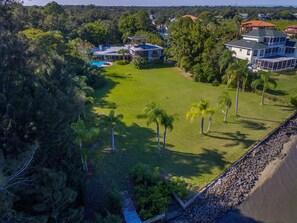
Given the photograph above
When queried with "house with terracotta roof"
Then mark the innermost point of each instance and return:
(266, 50)
(255, 24)
(291, 30)
(194, 18)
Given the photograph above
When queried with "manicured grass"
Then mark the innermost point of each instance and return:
(197, 158)
(282, 24)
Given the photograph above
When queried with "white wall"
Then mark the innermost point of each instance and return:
(241, 53)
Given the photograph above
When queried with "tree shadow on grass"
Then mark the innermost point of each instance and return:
(136, 144)
(234, 138)
(193, 165)
(277, 92)
(260, 119)
(253, 125)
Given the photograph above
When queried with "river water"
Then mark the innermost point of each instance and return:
(275, 200)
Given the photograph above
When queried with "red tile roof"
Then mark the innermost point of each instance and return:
(194, 18)
(257, 23)
(291, 30)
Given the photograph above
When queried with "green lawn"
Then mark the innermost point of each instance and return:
(199, 159)
(282, 24)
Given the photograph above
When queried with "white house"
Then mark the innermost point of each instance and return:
(266, 50)
(137, 47)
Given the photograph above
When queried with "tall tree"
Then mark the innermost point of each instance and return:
(96, 33)
(154, 115)
(265, 81)
(167, 122)
(225, 60)
(201, 109)
(225, 103)
(237, 72)
(84, 136)
(111, 120)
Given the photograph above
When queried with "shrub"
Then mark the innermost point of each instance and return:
(152, 200)
(122, 62)
(114, 201)
(139, 63)
(178, 186)
(293, 101)
(215, 83)
(96, 81)
(152, 193)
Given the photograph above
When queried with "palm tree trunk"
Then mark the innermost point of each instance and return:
(226, 114)
(209, 123)
(262, 101)
(112, 140)
(86, 164)
(82, 157)
(164, 138)
(202, 125)
(237, 96)
(158, 134)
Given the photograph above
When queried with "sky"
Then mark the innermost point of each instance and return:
(167, 2)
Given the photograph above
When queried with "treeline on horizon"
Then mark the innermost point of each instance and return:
(166, 12)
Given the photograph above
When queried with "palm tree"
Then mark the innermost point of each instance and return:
(225, 60)
(225, 102)
(167, 122)
(200, 109)
(83, 135)
(124, 52)
(154, 115)
(237, 71)
(112, 121)
(265, 81)
(211, 112)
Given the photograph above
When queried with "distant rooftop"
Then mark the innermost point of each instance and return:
(264, 33)
(145, 47)
(257, 23)
(247, 44)
(194, 18)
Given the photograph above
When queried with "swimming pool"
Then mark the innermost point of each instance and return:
(97, 63)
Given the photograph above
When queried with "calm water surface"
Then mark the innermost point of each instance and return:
(275, 201)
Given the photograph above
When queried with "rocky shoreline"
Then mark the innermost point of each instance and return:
(233, 187)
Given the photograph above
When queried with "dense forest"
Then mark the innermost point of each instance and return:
(46, 84)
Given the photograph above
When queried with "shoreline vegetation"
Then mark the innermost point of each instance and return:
(242, 179)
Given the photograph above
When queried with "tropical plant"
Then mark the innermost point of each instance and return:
(201, 109)
(265, 81)
(293, 101)
(112, 121)
(225, 60)
(84, 136)
(154, 115)
(237, 71)
(211, 112)
(225, 102)
(167, 122)
(124, 52)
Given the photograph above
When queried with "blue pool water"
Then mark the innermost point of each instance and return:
(97, 63)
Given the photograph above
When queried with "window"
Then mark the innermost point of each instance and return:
(248, 52)
(255, 53)
(240, 50)
(261, 53)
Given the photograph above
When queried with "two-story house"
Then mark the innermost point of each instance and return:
(266, 50)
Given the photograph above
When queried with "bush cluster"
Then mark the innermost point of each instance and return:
(153, 194)
(122, 62)
(293, 101)
(139, 63)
